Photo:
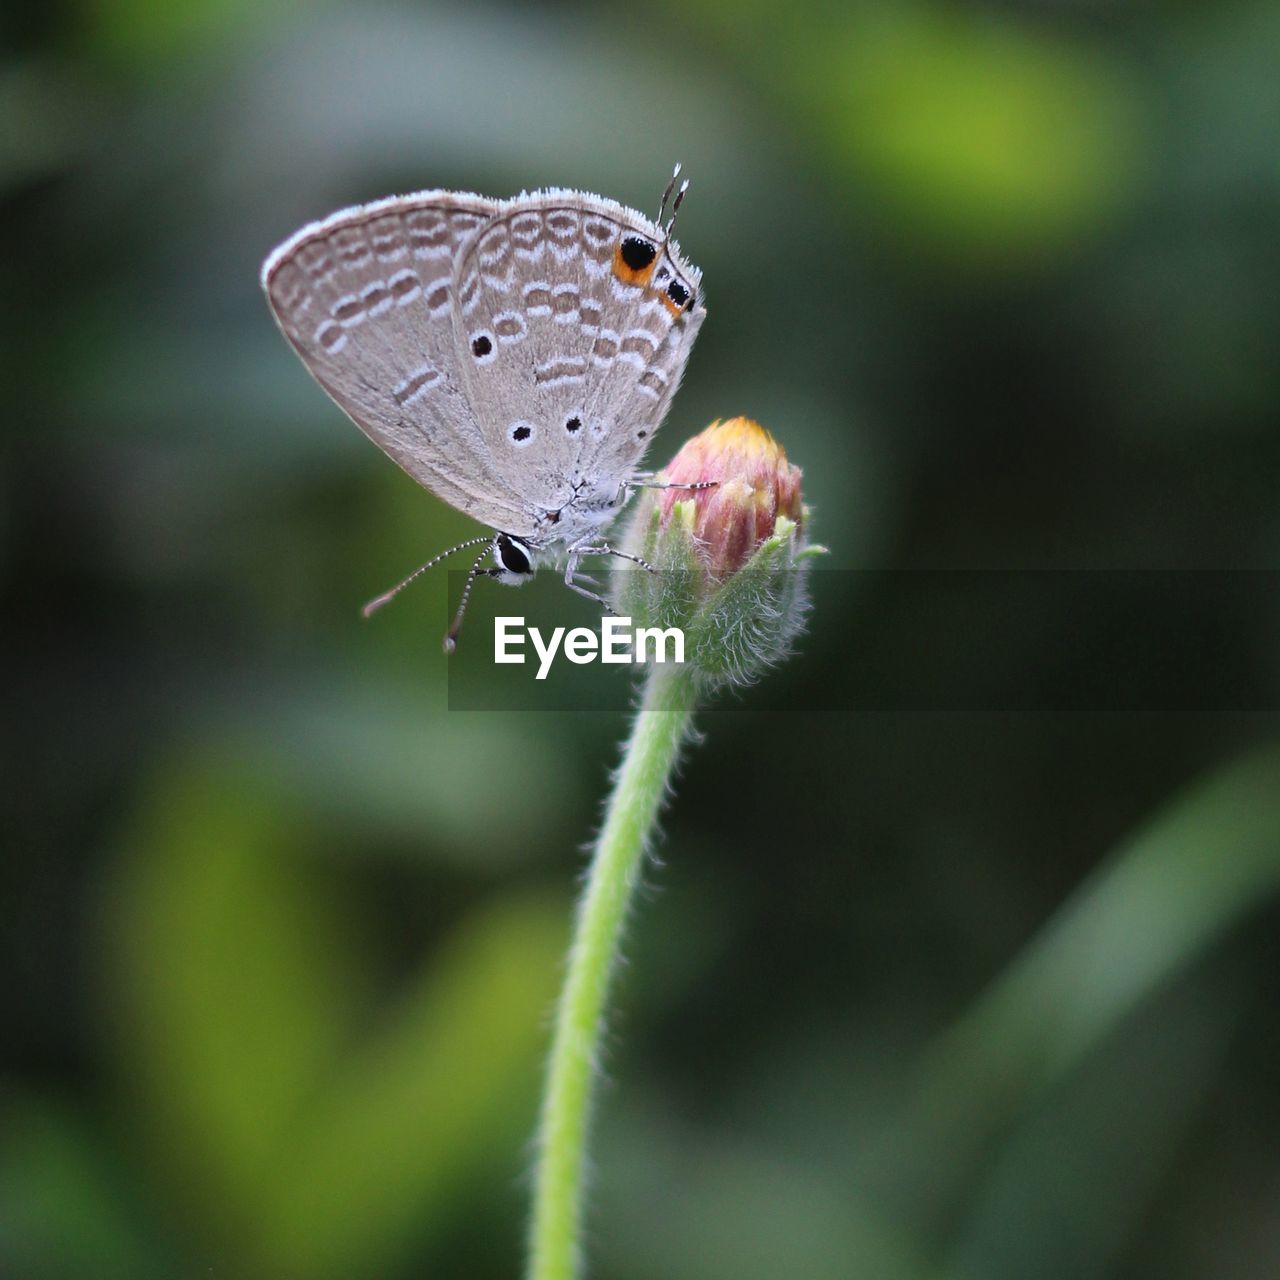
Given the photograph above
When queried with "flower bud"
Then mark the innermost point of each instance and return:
(755, 484)
(730, 555)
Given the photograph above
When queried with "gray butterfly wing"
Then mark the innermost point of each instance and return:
(365, 299)
(576, 319)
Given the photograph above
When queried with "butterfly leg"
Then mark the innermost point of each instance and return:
(586, 591)
(573, 579)
(648, 480)
(604, 549)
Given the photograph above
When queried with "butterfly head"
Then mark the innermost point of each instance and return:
(514, 560)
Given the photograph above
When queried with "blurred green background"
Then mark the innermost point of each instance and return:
(949, 996)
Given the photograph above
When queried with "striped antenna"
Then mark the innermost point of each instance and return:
(387, 596)
(451, 637)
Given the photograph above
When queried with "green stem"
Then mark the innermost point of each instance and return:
(650, 756)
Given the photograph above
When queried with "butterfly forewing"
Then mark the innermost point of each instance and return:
(365, 298)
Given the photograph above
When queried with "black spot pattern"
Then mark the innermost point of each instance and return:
(677, 293)
(481, 346)
(637, 253)
(573, 425)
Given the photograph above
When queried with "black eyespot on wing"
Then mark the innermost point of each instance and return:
(637, 253)
(522, 432)
(678, 293)
(573, 425)
(512, 554)
(640, 435)
(481, 346)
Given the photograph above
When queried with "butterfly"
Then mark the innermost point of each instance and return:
(515, 357)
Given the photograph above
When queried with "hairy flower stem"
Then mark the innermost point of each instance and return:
(648, 760)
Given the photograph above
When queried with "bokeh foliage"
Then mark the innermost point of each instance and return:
(920, 995)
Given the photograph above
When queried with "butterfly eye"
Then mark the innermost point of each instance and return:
(513, 555)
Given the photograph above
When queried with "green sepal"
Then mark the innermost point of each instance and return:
(749, 622)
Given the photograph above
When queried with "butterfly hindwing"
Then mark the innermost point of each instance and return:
(576, 318)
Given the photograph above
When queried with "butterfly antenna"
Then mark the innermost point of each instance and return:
(666, 195)
(451, 637)
(387, 596)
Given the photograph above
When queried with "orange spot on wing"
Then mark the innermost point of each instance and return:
(629, 275)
